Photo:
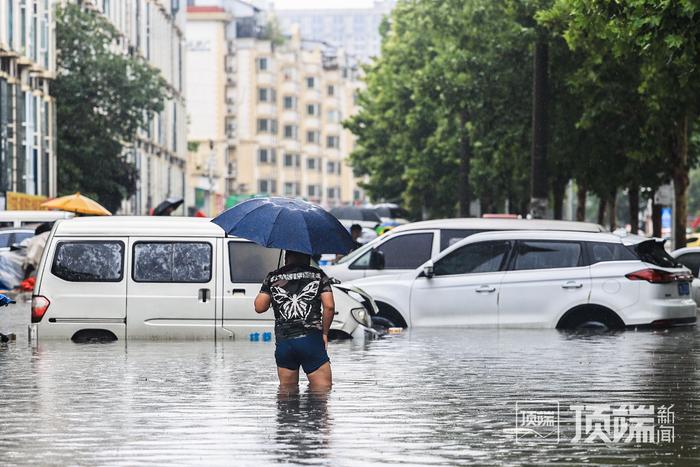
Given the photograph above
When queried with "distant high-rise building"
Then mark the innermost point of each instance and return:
(266, 111)
(356, 30)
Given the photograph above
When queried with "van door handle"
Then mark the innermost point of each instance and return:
(238, 291)
(571, 285)
(485, 289)
(204, 295)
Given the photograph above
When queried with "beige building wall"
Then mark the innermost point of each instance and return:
(290, 101)
(208, 141)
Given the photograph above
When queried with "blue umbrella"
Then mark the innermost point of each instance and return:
(5, 300)
(288, 224)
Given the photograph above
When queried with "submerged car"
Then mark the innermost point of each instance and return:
(108, 278)
(538, 279)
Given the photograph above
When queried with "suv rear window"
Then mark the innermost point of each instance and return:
(599, 252)
(89, 261)
(449, 237)
(653, 252)
(249, 263)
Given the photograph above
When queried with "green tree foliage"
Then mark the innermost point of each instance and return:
(436, 129)
(103, 97)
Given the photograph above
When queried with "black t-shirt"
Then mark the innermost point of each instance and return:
(295, 292)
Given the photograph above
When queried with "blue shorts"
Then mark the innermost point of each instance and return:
(307, 351)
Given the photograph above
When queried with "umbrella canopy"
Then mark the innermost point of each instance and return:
(5, 300)
(288, 224)
(77, 203)
(168, 206)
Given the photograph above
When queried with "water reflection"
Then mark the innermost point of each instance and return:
(303, 424)
(428, 397)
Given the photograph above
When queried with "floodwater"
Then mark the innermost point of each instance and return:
(425, 397)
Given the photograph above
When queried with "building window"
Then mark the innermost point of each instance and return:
(311, 163)
(267, 125)
(267, 186)
(313, 110)
(263, 64)
(313, 191)
(290, 74)
(333, 193)
(313, 137)
(290, 102)
(291, 160)
(291, 189)
(333, 142)
(267, 156)
(310, 82)
(330, 167)
(333, 116)
(291, 132)
(267, 95)
(331, 90)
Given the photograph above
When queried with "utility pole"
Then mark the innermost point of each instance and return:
(539, 191)
(210, 176)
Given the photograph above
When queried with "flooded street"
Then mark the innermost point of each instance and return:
(428, 396)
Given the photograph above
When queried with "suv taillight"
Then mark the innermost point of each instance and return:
(657, 276)
(39, 306)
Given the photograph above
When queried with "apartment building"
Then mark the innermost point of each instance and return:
(356, 30)
(284, 101)
(27, 112)
(155, 30)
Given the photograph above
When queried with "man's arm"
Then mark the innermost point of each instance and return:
(328, 313)
(262, 302)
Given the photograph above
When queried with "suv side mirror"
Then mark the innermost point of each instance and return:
(428, 269)
(376, 260)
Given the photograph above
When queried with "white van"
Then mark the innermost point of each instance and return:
(408, 246)
(24, 218)
(160, 278)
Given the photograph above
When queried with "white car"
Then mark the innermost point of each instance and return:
(690, 258)
(122, 277)
(537, 279)
(408, 246)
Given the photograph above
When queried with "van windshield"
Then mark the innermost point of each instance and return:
(653, 252)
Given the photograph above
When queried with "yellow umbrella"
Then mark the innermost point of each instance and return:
(77, 203)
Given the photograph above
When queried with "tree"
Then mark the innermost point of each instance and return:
(663, 36)
(102, 98)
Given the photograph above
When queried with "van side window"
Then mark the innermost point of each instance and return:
(473, 258)
(402, 252)
(249, 263)
(547, 255)
(172, 262)
(89, 261)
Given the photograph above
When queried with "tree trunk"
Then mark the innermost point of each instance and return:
(540, 104)
(655, 219)
(680, 180)
(612, 203)
(558, 190)
(601, 210)
(581, 194)
(463, 191)
(633, 195)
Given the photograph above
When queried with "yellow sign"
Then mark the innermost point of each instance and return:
(24, 202)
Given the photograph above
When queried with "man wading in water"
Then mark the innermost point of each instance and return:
(296, 292)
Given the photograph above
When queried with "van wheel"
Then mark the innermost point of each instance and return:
(85, 336)
(388, 317)
(590, 318)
